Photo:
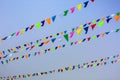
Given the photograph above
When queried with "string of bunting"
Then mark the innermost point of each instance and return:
(48, 20)
(91, 64)
(26, 56)
(29, 46)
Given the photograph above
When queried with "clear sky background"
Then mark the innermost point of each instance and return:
(16, 15)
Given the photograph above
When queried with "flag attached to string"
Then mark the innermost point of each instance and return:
(71, 34)
(66, 12)
(86, 29)
(22, 31)
(93, 26)
(92, 0)
(42, 23)
(53, 40)
(31, 27)
(79, 30)
(85, 4)
(48, 20)
(117, 17)
(66, 37)
(101, 23)
(53, 18)
(38, 25)
(72, 9)
(79, 6)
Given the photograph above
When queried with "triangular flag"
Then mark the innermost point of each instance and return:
(71, 43)
(85, 25)
(26, 29)
(88, 38)
(103, 19)
(66, 12)
(12, 34)
(38, 25)
(48, 20)
(85, 4)
(26, 56)
(66, 37)
(79, 6)
(2, 62)
(101, 23)
(47, 42)
(86, 29)
(41, 44)
(43, 22)
(0, 53)
(117, 30)
(31, 27)
(103, 34)
(71, 34)
(108, 20)
(107, 32)
(79, 30)
(93, 26)
(27, 48)
(98, 35)
(93, 37)
(17, 33)
(5, 38)
(89, 23)
(53, 40)
(6, 61)
(72, 9)
(22, 31)
(117, 17)
(92, 0)
(83, 40)
(53, 18)
(97, 20)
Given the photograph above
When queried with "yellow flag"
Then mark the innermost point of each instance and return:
(79, 6)
(79, 30)
(80, 41)
(22, 31)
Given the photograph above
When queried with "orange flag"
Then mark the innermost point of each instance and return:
(26, 56)
(46, 42)
(103, 34)
(48, 20)
(117, 17)
(0, 53)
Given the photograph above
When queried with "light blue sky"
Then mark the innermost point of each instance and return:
(16, 15)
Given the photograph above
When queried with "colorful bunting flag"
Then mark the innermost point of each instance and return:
(93, 26)
(117, 17)
(86, 29)
(79, 30)
(38, 25)
(53, 18)
(58, 47)
(53, 40)
(66, 37)
(85, 4)
(48, 20)
(72, 9)
(79, 7)
(66, 12)
(92, 0)
(71, 34)
(101, 23)
(42, 23)
(90, 64)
